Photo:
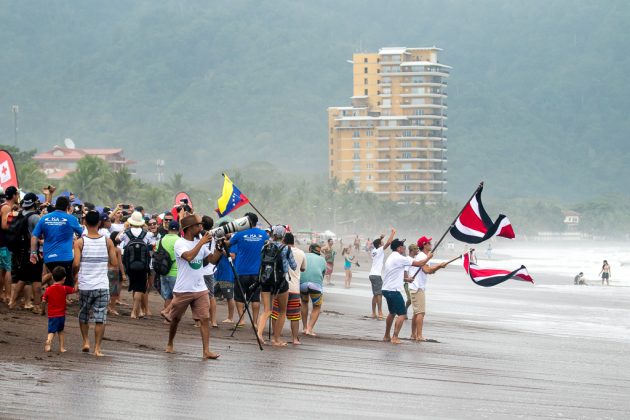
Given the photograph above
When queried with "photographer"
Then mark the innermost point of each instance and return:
(224, 277)
(249, 243)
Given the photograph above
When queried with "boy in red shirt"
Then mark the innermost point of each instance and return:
(55, 296)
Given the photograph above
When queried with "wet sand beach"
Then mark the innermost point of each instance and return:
(513, 351)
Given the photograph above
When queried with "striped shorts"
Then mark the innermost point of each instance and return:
(93, 304)
(293, 308)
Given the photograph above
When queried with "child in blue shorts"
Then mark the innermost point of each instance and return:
(55, 296)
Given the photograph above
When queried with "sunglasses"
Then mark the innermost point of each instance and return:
(152, 224)
(168, 220)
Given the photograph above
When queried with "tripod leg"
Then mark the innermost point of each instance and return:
(251, 318)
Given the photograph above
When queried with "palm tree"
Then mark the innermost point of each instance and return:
(123, 186)
(91, 181)
(176, 183)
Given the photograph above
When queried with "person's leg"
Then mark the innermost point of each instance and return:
(388, 327)
(265, 298)
(283, 299)
(99, 331)
(19, 286)
(37, 297)
(349, 278)
(28, 296)
(85, 329)
(136, 311)
(314, 316)
(295, 330)
(49, 339)
(62, 342)
(304, 311)
(204, 328)
(213, 311)
(230, 308)
(399, 323)
(374, 307)
(379, 305)
(145, 297)
(419, 324)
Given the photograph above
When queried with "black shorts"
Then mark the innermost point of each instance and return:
(65, 264)
(276, 289)
(30, 273)
(138, 281)
(249, 289)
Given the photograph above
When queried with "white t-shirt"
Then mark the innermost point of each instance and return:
(208, 270)
(420, 282)
(189, 274)
(394, 271)
(378, 256)
(117, 227)
(294, 275)
(149, 239)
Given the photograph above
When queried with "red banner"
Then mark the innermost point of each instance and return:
(8, 174)
(182, 196)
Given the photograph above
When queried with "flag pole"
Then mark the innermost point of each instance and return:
(258, 211)
(457, 217)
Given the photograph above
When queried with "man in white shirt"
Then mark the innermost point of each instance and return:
(191, 255)
(418, 278)
(378, 256)
(393, 280)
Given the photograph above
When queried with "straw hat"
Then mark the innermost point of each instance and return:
(136, 219)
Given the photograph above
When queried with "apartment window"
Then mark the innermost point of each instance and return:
(368, 133)
(406, 143)
(331, 140)
(331, 152)
(407, 188)
(356, 133)
(331, 163)
(356, 145)
(365, 60)
(418, 112)
(370, 166)
(356, 167)
(365, 92)
(406, 177)
(357, 179)
(365, 70)
(356, 155)
(406, 155)
(407, 133)
(365, 81)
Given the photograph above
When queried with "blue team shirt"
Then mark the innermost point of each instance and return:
(223, 271)
(57, 229)
(249, 242)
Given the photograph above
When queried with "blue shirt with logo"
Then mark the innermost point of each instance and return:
(57, 229)
(223, 271)
(249, 242)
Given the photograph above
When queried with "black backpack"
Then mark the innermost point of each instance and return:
(17, 236)
(136, 256)
(162, 261)
(271, 272)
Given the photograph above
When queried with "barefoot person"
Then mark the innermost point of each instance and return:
(378, 257)
(191, 254)
(312, 285)
(55, 296)
(93, 254)
(393, 280)
(417, 286)
(605, 273)
(329, 255)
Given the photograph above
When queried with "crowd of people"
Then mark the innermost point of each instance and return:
(52, 250)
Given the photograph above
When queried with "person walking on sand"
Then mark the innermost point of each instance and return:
(55, 296)
(93, 254)
(347, 266)
(329, 255)
(393, 280)
(312, 285)
(191, 254)
(605, 273)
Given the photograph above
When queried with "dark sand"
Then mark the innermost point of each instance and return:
(487, 364)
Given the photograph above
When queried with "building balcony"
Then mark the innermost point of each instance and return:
(403, 106)
(420, 160)
(424, 95)
(421, 84)
(417, 73)
(417, 181)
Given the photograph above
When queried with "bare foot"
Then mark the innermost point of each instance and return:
(380, 317)
(211, 355)
(133, 316)
(85, 348)
(262, 340)
(114, 312)
(141, 315)
(227, 321)
(297, 342)
(169, 349)
(148, 313)
(278, 343)
(311, 333)
(62, 350)
(98, 353)
(215, 326)
(396, 340)
(387, 339)
(47, 346)
(373, 316)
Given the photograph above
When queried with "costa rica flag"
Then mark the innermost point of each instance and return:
(488, 277)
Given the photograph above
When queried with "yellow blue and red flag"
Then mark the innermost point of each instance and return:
(231, 199)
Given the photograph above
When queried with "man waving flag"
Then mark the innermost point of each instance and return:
(231, 199)
(473, 225)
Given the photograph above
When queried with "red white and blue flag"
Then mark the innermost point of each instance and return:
(488, 277)
(474, 225)
(231, 198)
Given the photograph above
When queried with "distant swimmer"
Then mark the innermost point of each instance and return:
(605, 273)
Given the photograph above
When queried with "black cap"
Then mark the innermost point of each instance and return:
(396, 243)
(29, 200)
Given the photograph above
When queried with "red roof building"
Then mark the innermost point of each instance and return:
(60, 161)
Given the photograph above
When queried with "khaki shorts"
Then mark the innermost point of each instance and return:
(418, 301)
(199, 303)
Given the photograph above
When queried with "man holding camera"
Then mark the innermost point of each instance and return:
(191, 254)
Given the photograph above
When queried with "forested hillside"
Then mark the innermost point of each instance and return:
(538, 96)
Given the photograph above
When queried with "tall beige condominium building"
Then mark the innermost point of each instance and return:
(392, 140)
